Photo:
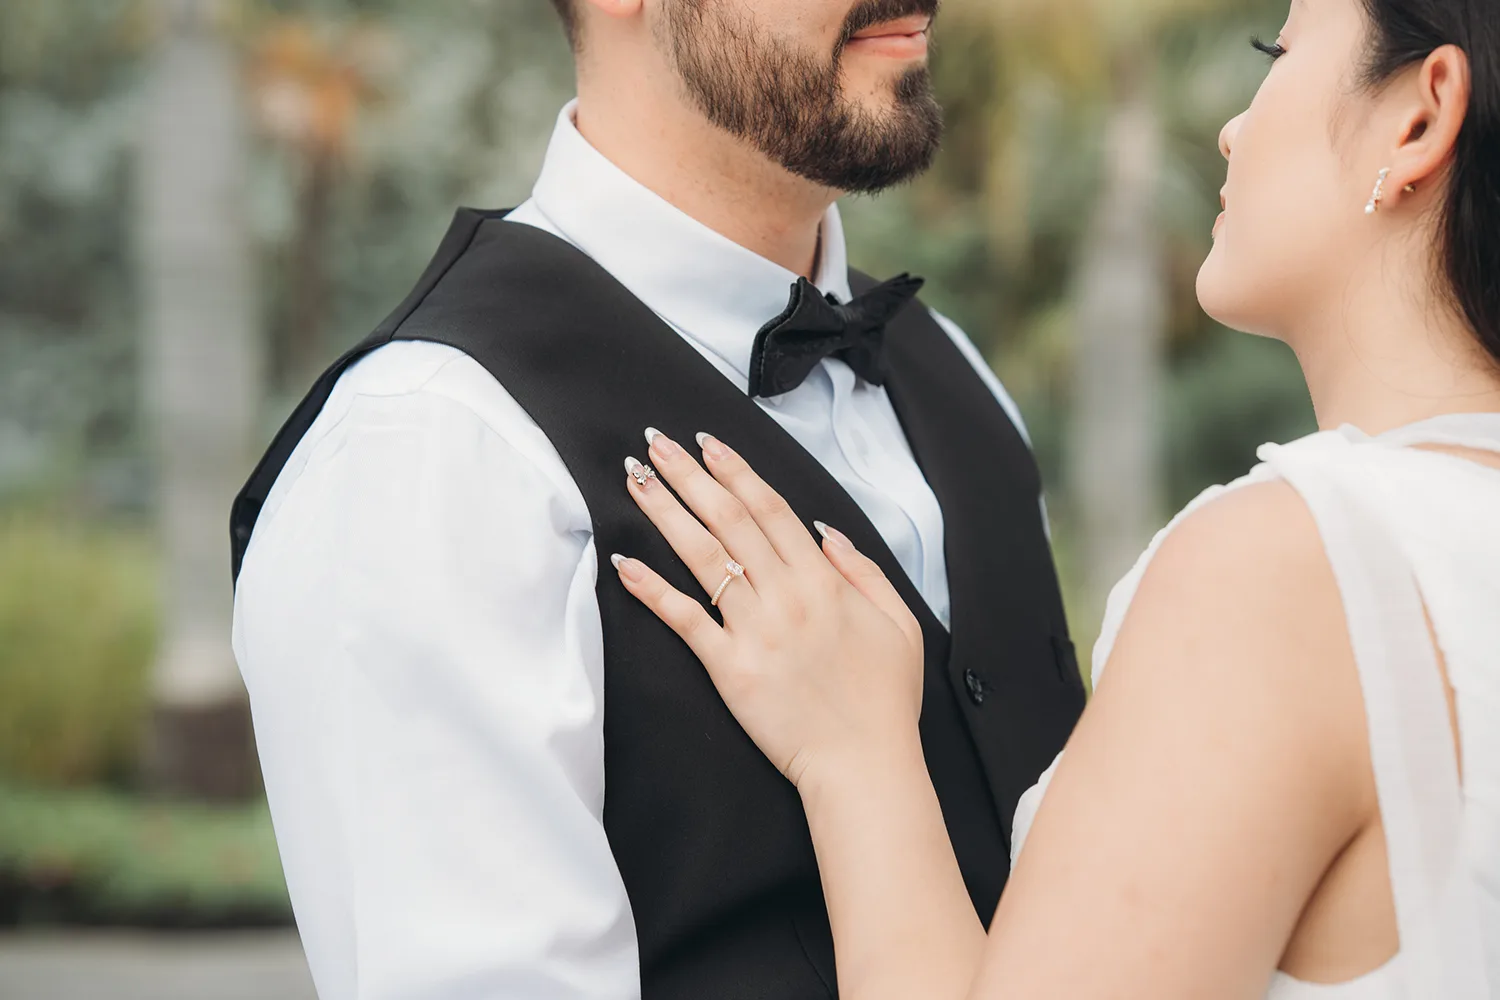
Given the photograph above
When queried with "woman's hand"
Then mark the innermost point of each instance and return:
(818, 657)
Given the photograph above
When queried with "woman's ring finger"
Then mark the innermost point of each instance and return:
(733, 571)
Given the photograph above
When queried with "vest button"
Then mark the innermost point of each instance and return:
(978, 689)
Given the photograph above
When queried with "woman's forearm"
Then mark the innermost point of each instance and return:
(903, 922)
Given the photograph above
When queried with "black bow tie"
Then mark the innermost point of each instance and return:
(813, 327)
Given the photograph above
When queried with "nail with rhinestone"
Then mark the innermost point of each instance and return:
(642, 474)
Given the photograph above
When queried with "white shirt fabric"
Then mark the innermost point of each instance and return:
(417, 625)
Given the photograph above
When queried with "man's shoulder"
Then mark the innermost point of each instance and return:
(418, 394)
(413, 375)
(400, 368)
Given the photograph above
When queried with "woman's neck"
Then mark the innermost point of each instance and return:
(1384, 357)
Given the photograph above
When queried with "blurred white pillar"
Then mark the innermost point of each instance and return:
(201, 387)
(1114, 456)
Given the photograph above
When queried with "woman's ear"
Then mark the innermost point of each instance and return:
(1429, 129)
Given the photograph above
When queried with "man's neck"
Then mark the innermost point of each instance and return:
(710, 176)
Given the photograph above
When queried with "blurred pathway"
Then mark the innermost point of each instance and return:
(128, 966)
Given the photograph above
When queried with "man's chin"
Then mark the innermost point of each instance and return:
(879, 96)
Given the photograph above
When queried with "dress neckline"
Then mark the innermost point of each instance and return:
(1480, 430)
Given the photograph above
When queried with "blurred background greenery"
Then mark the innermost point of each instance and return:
(150, 343)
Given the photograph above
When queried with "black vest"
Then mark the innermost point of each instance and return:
(709, 838)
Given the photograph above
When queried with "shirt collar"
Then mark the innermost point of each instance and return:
(711, 289)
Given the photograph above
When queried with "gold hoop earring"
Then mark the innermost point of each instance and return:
(1375, 199)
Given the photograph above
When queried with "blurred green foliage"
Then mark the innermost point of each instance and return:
(104, 858)
(77, 630)
(1231, 394)
(78, 623)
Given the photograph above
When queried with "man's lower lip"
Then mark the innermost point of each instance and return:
(893, 46)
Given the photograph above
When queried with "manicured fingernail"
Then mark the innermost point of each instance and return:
(631, 569)
(662, 447)
(712, 446)
(834, 535)
(643, 475)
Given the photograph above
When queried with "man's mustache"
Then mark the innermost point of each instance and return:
(873, 12)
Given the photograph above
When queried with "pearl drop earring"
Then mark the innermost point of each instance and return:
(1379, 195)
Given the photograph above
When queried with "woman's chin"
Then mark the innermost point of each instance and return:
(1229, 302)
(1215, 291)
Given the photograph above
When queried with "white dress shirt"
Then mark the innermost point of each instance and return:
(417, 625)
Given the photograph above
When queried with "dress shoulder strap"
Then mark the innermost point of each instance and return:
(1411, 738)
(1478, 431)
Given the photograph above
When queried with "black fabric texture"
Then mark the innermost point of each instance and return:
(710, 839)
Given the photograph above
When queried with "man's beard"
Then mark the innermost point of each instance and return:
(789, 104)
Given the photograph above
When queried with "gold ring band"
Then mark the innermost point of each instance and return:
(735, 572)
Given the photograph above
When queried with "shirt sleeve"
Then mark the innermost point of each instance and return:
(419, 634)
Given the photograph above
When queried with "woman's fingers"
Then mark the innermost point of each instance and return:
(781, 525)
(719, 510)
(698, 548)
(680, 612)
(866, 577)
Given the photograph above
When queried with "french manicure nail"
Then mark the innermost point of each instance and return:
(642, 474)
(630, 569)
(660, 444)
(833, 535)
(712, 446)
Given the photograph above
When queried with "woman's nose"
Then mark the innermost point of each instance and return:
(1229, 133)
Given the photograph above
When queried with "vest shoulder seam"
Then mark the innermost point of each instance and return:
(437, 279)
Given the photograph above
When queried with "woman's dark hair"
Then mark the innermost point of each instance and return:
(1405, 32)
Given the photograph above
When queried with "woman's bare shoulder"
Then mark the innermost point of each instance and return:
(1240, 613)
(1252, 551)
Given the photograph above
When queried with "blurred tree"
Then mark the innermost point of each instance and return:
(201, 387)
(407, 110)
(1078, 128)
(67, 302)
(308, 80)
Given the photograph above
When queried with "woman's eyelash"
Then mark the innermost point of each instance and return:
(1275, 51)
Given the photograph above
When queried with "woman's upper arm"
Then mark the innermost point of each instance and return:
(1221, 768)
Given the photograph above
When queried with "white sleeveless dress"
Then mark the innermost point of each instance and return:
(1404, 526)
